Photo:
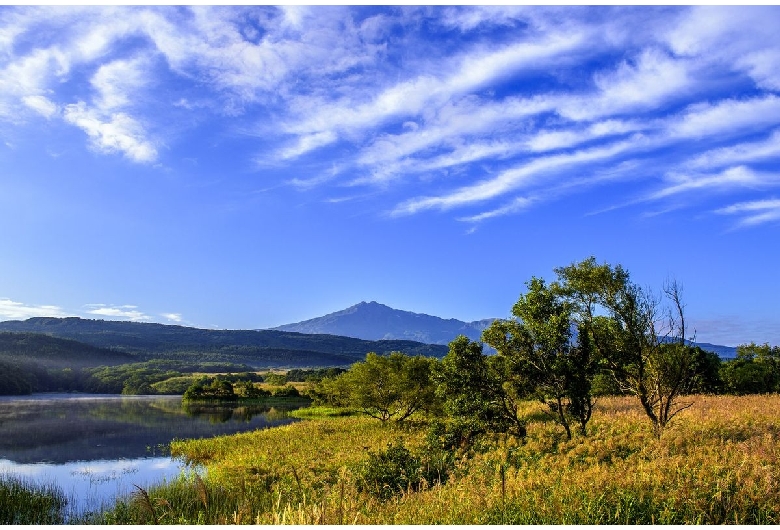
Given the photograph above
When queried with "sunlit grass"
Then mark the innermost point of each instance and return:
(717, 463)
(323, 412)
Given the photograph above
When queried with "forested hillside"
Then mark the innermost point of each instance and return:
(262, 349)
(53, 352)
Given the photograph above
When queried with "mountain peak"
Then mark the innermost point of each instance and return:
(375, 321)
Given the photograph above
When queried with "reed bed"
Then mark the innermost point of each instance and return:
(26, 502)
(716, 464)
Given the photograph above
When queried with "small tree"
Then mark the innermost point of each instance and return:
(481, 394)
(384, 387)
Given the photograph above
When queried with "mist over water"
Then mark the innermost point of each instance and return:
(97, 448)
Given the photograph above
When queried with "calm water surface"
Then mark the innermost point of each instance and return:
(96, 448)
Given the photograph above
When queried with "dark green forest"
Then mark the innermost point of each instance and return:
(259, 348)
(96, 356)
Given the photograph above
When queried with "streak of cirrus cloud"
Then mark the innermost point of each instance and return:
(503, 109)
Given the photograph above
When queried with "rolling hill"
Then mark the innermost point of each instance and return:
(53, 352)
(257, 348)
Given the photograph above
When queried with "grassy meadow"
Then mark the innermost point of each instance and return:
(718, 463)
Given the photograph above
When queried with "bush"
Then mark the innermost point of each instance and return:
(395, 470)
(286, 391)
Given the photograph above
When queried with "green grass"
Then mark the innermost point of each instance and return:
(323, 412)
(24, 502)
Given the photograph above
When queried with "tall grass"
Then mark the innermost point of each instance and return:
(718, 463)
(25, 502)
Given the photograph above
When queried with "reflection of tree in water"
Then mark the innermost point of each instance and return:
(136, 410)
(238, 413)
(63, 430)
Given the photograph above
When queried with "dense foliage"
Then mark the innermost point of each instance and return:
(384, 387)
(233, 388)
(150, 377)
(756, 370)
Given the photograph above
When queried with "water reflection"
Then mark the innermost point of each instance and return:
(60, 428)
(91, 485)
(99, 447)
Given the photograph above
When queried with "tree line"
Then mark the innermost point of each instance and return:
(150, 377)
(590, 332)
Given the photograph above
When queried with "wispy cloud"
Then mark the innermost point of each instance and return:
(515, 178)
(129, 312)
(41, 105)
(735, 177)
(10, 310)
(490, 103)
(745, 152)
(116, 132)
(754, 212)
(172, 317)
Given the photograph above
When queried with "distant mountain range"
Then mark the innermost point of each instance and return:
(337, 339)
(257, 348)
(374, 321)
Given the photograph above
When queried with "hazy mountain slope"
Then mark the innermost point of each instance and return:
(55, 352)
(259, 348)
(373, 321)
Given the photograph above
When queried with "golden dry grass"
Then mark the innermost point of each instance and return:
(717, 463)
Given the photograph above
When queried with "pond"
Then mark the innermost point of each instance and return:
(97, 448)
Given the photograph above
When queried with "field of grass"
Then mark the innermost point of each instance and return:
(718, 463)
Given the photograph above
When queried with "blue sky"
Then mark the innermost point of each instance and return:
(253, 166)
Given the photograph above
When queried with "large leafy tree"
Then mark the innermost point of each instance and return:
(539, 343)
(641, 342)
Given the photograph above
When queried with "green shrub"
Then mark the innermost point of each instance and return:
(395, 470)
(286, 391)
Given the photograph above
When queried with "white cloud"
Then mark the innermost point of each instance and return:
(515, 178)
(754, 212)
(728, 117)
(41, 105)
(518, 204)
(508, 92)
(173, 317)
(456, 125)
(741, 153)
(559, 139)
(743, 38)
(423, 93)
(735, 177)
(655, 79)
(467, 18)
(10, 310)
(118, 132)
(129, 312)
(118, 81)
